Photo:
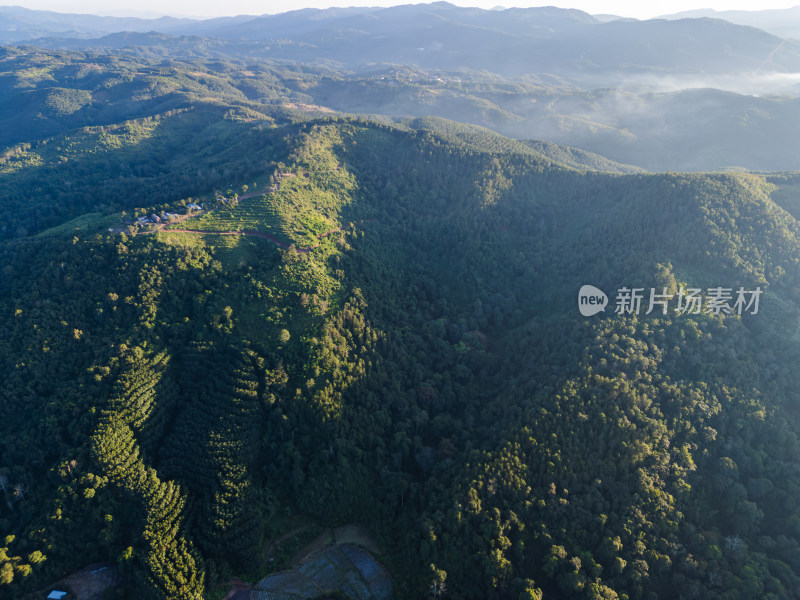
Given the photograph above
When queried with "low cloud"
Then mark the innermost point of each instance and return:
(750, 84)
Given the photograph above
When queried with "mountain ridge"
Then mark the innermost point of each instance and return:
(427, 352)
(517, 31)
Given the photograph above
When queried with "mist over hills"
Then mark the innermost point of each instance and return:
(639, 92)
(691, 129)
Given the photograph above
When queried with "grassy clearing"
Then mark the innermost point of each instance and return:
(93, 222)
(233, 251)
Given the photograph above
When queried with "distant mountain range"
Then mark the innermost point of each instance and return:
(783, 22)
(18, 24)
(510, 42)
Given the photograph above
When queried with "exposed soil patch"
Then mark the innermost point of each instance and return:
(308, 107)
(240, 590)
(358, 535)
(347, 534)
(88, 583)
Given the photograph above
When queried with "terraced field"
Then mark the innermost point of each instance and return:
(304, 205)
(257, 213)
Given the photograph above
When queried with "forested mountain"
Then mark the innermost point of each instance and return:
(250, 295)
(422, 369)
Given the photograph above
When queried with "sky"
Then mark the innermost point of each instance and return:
(207, 8)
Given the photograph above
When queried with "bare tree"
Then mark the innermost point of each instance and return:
(713, 578)
(437, 585)
(734, 542)
(437, 588)
(19, 491)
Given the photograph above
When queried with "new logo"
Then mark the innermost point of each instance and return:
(591, 300)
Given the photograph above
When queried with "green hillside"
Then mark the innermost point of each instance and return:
(174, 401)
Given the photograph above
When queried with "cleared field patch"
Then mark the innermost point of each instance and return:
(358, 535)
(89, 223)
(303, 205)
(231, 250)
(300, 213)
(257, 213)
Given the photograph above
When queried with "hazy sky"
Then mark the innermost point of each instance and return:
(636, 8)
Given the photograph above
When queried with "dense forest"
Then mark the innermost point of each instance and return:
(171, 397)
(233, 317)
